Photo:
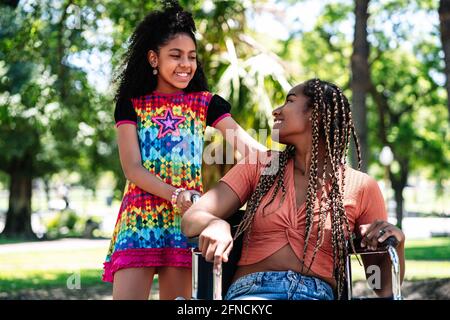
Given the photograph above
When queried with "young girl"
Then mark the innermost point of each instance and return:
(163, 107)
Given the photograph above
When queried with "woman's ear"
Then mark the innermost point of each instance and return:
(152, 58)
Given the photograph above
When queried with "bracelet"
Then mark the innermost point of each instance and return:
(175, 196)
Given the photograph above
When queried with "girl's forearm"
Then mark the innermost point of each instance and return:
(244, 143)
(149, 182)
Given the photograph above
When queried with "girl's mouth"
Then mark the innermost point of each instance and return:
(183, 75)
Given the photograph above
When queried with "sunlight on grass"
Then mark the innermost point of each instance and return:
(62, 259)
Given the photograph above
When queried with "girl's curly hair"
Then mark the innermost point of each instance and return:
(156, 30)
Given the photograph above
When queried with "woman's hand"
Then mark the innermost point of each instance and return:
(184, 199)
(377, 232)
(216, 242)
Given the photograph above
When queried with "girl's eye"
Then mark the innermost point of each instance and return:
(192, 58)
(175, 56)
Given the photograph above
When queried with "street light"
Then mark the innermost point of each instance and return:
(386, 158)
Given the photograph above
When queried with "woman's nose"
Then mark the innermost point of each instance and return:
(276, 112)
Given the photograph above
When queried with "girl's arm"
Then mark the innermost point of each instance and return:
(130, 159)
(238, 137)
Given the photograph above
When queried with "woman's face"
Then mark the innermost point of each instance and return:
(292, 119)
(176, 63)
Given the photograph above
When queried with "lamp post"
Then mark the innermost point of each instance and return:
(386, 158)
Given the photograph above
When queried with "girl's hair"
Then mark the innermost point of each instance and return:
(156, 30)
(331, 123)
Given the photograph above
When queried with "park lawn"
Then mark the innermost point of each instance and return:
(48, 279)
(53, 268)
(426, 259)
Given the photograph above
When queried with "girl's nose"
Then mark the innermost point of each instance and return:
(184, 62)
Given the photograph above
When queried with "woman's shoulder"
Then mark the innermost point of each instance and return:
(356, 180)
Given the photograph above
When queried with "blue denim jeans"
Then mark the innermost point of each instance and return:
(279, 285)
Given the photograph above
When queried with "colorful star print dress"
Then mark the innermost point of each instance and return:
(170, 129)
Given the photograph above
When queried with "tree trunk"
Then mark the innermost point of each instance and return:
(47, 191)
(398, 195)
(444, 17)
(18, 216)
(360, 82)
(398, 183)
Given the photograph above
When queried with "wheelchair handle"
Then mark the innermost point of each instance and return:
(194, 198)
(391, 241)
(382, 247)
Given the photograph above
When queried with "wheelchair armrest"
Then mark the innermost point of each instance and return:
(382, 247)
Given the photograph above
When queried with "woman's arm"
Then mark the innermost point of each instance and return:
(238, 137)
(219, 203)
(371, 238)
(206, 218)
(130, 159)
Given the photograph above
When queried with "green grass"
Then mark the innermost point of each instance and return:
(50, 269)
(429, 249)
(41, 269)
(47, 279)
(4, 240)
(425, 259)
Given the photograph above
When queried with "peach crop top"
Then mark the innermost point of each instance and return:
(284, 223)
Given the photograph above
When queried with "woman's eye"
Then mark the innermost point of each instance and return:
(174, 56)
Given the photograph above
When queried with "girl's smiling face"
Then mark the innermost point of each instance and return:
(176, 63)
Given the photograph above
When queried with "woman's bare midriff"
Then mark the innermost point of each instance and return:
(282, 260)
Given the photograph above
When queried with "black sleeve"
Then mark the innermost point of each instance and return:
(124, 111)
(217, 109)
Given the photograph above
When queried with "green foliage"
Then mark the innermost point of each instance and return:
(48, 109)
(51, 112)
(67, 223)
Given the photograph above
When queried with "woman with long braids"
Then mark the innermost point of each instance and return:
(303, 204)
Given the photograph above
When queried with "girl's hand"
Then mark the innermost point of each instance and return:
(184, 199)
(216, 242)
(377, 232)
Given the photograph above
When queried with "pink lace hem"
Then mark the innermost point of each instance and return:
(139, 258)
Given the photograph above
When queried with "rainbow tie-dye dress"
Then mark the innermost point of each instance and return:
(147, 233)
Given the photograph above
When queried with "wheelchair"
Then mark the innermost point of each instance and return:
(210, 284)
